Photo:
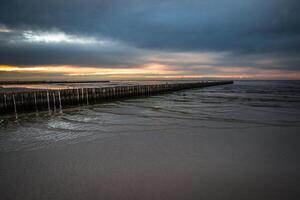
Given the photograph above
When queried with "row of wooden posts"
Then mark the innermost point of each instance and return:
(53, 100)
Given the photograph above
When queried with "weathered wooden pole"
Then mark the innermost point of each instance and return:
(48, 101)
(54, 103)
(15, 106)
(59, 100)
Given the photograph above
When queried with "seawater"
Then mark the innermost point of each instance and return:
(242, 105)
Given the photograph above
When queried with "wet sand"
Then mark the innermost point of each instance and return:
(206, 164)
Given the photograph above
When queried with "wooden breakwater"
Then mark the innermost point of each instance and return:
(56, 100)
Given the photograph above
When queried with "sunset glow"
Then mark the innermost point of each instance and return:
(151, 71)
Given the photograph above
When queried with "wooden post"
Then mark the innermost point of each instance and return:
(48, 101)
(15, 106)
(59, 99)
(54, 103)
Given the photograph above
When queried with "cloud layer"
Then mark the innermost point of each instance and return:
(184, 35)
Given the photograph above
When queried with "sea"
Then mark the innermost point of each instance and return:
(237, 141)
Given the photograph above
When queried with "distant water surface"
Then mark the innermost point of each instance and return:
(233, 141)
(246, 104)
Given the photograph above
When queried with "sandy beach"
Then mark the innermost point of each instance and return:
(201, 164)
(210, 143)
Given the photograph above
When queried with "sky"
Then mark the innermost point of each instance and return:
(149, 39)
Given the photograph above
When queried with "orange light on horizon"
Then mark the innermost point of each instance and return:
(9, 68)
(86, 71)
(153, 71)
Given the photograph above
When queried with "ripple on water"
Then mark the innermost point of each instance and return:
(239, 106)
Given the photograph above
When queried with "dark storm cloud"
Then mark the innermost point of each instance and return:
(250, 29)
(27, 53)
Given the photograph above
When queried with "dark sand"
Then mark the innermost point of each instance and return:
(210, 164)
